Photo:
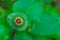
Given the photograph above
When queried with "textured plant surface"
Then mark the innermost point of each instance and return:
(29, 20)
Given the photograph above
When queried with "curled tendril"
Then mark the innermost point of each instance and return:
(18, 21)
(24, 21)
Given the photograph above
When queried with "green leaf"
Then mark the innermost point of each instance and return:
(4, 34)
(39, 37)
(46, 26)
(22, 36)
(22, 5)
(34, 14)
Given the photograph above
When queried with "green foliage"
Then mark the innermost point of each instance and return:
(39, 21)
